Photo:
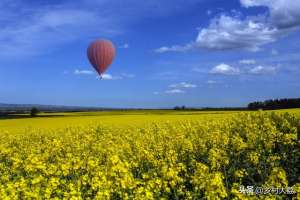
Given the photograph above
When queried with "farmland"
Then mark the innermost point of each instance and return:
(150, 155)
(53, 121)
(118, 119)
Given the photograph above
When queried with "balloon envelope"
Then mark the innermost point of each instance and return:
(101, 54)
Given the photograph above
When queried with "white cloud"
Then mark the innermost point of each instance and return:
(83, 72)
(248, 62)
(283, 13)
(235, 31)
(115, 77)
(124, 46)
(225, 70)
(42, 30)
(178, 88)
(228, 33)
(263, 70)
(109, 77)
(29, 29)
(183, 85)
(175, 91)
(208, 12)
(225, 32)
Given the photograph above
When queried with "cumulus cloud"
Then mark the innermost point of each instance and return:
(232, 32)
(248, 62)
(263, 70)
(227, 33)
(225, 69)
(283, 13)
(83, 72)
(174, 91)
(183, 85)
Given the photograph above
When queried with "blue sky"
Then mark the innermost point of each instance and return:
(172, 52)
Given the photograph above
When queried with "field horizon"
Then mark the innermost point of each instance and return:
(151, 154)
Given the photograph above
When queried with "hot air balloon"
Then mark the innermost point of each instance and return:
(101, 54)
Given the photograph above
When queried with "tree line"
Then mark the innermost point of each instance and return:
(274, 104)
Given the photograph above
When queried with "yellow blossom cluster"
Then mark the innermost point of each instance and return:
(188, 160)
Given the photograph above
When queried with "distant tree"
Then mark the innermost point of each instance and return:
(33, 112)
(274, 104)
(179, 108)
(176, 108)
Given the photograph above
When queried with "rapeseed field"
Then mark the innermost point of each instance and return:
(194, 158)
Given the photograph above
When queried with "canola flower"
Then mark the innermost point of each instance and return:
(187, 160)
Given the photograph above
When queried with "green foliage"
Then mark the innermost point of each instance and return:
(33, 112)
(274, 104)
